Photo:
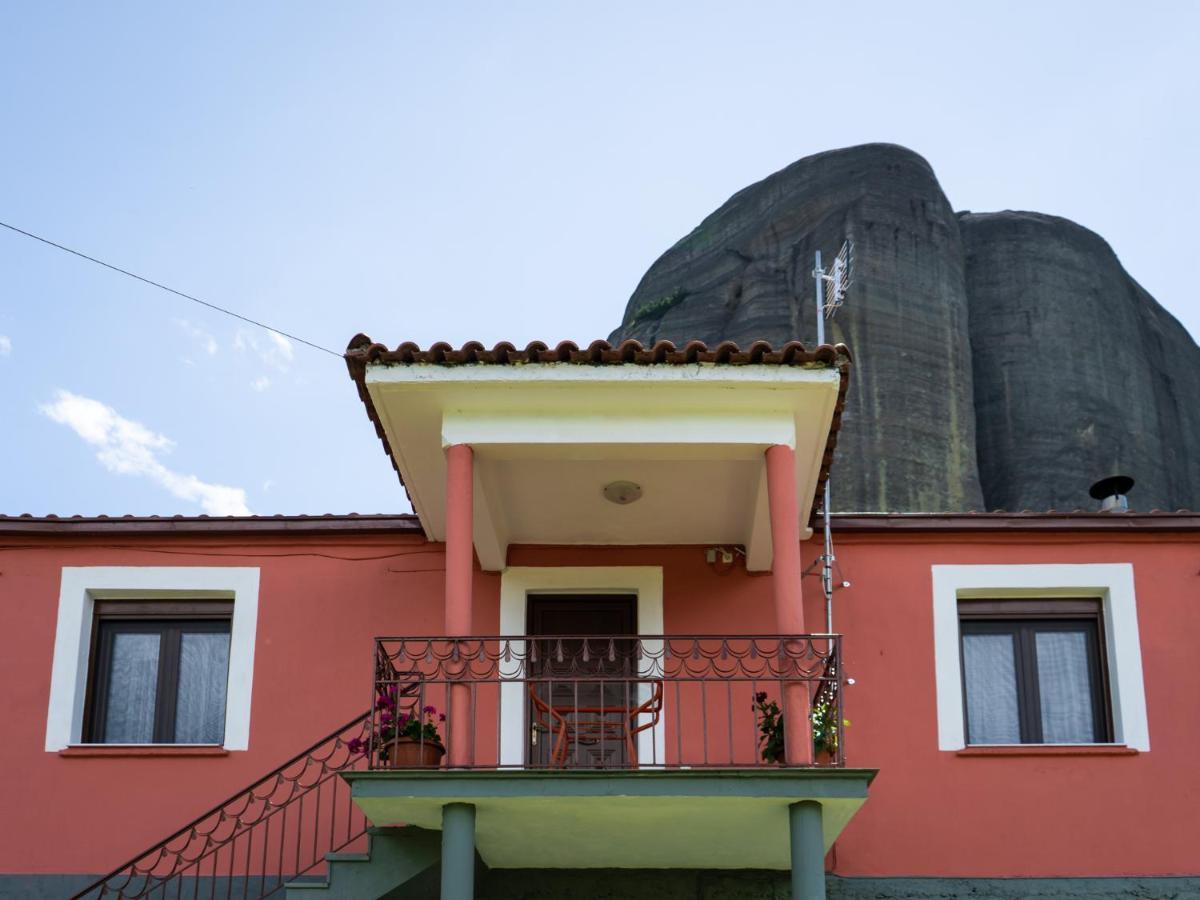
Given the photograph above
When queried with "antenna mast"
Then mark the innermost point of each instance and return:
(838, 280)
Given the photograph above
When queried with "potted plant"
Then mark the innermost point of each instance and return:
(404, 740)
(825, 730)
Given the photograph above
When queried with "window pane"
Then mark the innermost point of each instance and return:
(132, 687)
(991, 689)
(200, 702)
(1065, 685)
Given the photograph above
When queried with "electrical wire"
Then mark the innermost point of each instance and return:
(170, 290)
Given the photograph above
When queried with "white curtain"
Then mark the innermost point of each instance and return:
(200, 702)
(1065, 685)
(132, 688)
(988, 661)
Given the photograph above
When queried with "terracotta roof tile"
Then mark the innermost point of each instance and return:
(362, 351)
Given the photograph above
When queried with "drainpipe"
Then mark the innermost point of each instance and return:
(789, 600)
(460, 562)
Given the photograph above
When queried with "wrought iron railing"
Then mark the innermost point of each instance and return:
(253, 844)
(606, 702)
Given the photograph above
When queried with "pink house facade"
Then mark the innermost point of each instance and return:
(598, 660)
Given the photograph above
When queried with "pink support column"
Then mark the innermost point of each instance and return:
(786, 573)
(460, 564)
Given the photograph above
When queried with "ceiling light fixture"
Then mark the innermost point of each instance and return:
(622, 493)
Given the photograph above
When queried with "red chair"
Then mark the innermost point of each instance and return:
(578, 726)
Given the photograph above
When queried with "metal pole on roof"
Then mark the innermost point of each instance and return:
(827, 554)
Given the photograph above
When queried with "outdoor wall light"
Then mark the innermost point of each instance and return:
(622, 493)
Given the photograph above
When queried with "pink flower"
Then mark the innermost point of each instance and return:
(356, 746)
(429, 710)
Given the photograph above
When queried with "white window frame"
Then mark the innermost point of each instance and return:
(81, 586)
(518, 582)
(1111, 583)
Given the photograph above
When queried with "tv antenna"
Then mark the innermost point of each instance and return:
(837, 279)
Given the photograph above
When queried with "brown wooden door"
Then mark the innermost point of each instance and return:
(580, 680)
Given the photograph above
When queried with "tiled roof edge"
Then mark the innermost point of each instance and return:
(1016, 522)
(405, 523)
(362, 351)
(1000, 521)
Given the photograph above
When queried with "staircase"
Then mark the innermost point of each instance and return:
(399, 862)
(264, 840)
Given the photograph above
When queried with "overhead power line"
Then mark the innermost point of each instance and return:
(171, 290)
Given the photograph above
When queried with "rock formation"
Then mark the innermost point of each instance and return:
(1002, 360)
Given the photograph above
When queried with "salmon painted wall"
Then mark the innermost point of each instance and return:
(322, 600)
(941, 813)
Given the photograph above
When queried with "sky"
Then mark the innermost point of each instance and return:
(480, 171)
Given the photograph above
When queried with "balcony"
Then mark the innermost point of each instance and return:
(612, 702)
(645, 751)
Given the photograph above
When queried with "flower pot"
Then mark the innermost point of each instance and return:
(406, 753)
(824, 756)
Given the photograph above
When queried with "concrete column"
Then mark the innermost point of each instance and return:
(785, 539)
(808, 851)
(460, 549)
(458, 851)
(460, 565)
(786, 573)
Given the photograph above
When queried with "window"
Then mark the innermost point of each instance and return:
(84, 589)
(159, 672)
(1033, 672)
(1110, 586)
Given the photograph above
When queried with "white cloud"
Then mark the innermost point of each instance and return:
(282, 346)
(207, 342)
(5, 345)
(130, 448)
(274, 350)
(261, 383)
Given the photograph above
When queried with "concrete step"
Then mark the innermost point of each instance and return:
(399, 863)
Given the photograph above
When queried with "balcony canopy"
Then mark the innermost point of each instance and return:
(552, 427)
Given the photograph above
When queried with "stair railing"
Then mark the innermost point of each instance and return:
(253, 844)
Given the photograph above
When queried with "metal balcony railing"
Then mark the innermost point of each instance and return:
(607, 702)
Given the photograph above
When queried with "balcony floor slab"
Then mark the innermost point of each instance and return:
(707, 819)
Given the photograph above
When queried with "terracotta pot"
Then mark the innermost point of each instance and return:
(407, 753)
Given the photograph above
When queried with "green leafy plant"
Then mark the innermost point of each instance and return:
(825, 728)
(770, 727)
(656, 309)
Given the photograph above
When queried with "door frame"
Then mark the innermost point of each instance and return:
(518, 582)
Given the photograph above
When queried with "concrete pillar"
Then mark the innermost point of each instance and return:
(808, 851)
(458, 851)
(460, 559)
(785, 539)
(786, 573)
(460, 566)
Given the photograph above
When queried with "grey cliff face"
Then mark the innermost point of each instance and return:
(908, 435)
(1001, 360)
(1079, 373)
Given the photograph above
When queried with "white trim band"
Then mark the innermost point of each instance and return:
(518, 582)
(1111, 583)
(81, 586)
